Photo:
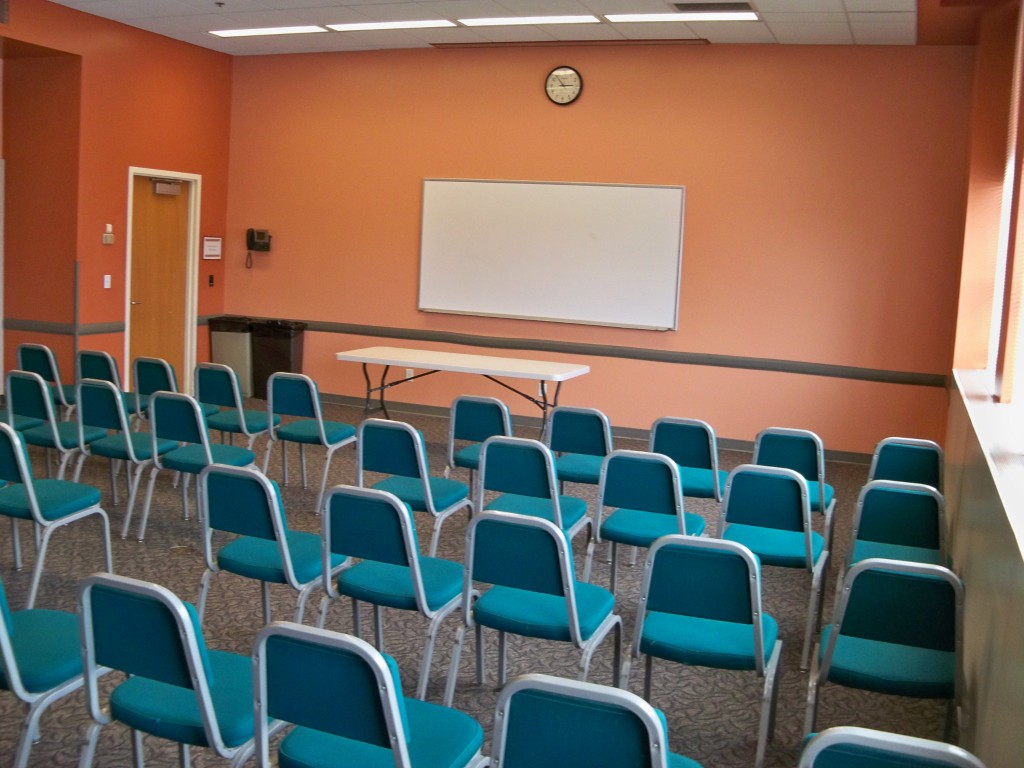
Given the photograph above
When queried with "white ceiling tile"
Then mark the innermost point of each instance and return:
(884, 34)
(831, 17)
(733, 32)
(655, 31)
(883, 18)
(884, 6)
(795, 6)
(811, 33)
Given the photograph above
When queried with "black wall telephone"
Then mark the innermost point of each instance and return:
(257, 240)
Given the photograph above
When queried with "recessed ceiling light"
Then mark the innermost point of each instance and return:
(509, 21)
(265, 31)
(371, 25)
(683, 16)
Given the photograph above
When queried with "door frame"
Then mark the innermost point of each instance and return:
(195, 184)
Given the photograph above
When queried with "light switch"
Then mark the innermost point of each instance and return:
(106, 281)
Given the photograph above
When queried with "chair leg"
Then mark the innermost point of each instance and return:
(138, 753)
(136, 478)
(453, 666)
(113, 483)
(588, 564)
(284, 462)
(184, 495)
(37, 570)
(768, 698)
(814, 609)
(78, 465)
(16, 544)
(325, 603)
(615, 565)
(356, 618)
(648, 668)
(428, 651)
(378, 627)
(186, 760)
(266, 602)
(302, 464)
(502, 658)
(300, 603)
(811, 713)
(266, 455)
(204, 589)
(479, 654)
(85, 757)
(149, 500)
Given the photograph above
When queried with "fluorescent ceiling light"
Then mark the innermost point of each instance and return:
(371, 25)
(265, 31)
(683, 16)
(509, 21)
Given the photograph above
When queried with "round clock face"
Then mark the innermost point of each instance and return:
(563, 85)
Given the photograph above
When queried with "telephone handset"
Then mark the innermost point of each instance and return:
(257, 240)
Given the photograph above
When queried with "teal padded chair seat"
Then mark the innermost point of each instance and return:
(862, 550)
(700, 483)
(308, 431)
(229, 420)
(579, 468)
(114, 446)
(535, 614)
(902, 670)
(438, 737)
(170, 712)
(705, 642)
(468, 457)
(391, 585)
(410, 490)
(260, 559)
(640, 529)
(47, 647)
(192, 458)
(774, 546)
(573, 509)
(21, 423)
(814, 495)
(57, 499)
(67, 434)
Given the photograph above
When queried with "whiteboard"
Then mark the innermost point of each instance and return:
(597, 254)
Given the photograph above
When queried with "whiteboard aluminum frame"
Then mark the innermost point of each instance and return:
(678, 262)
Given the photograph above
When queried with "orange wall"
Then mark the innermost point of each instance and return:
(146, 101)
(990, 118)
(824, 221)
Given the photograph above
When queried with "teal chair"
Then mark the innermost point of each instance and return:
(523, 566)
(175, 687)
(95, 364)
(378, 529)
(692, 444)
(294, 394)
(899, 521)
(217, 384)
(178, 417)
(396, 449)
(908, 459)
(39, 358)
(767, 510)
(100, 406)
(29, 395)
(40, 663)
(471, 421)
(898, 630)
(520, 473)
(853, 747)
(700, 605)
(345, 699)
(154, 374)
(542, 721)
(643, 499)
(580, 438)
(246, 505)
(803, 451)
(48, 504)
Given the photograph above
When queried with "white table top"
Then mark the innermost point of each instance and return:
(486, 365)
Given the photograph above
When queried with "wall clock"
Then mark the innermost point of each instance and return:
(563, 85)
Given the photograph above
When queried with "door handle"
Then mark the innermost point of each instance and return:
(134, 302)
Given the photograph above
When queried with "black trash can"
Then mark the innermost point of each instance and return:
(231, 345)
(276, 346)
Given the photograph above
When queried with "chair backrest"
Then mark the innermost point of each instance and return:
(293, 394)
(14, 460)
(542, 721)
(578, 430)
(329, 682)
(29, 395)
(243, 501)
(100, 405)
(95, 364)
(390, 447)
(177, 416)
(217, 384)
(797, 449)
(894, 601)
(768, 497)
(644, 481)
(144, 629)
(908, 459)
(153, 374)
(476, 418)
(853, 747)
(909, 514)
(517, 465)
(522, 552)
(38, 358)
(702, 578)
(369, 524)
(688, 442)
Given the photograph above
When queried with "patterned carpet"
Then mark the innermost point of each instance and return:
(712, 715)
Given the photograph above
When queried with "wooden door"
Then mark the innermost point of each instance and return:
(159, 269)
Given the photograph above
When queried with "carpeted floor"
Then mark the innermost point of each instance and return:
(712, 715)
